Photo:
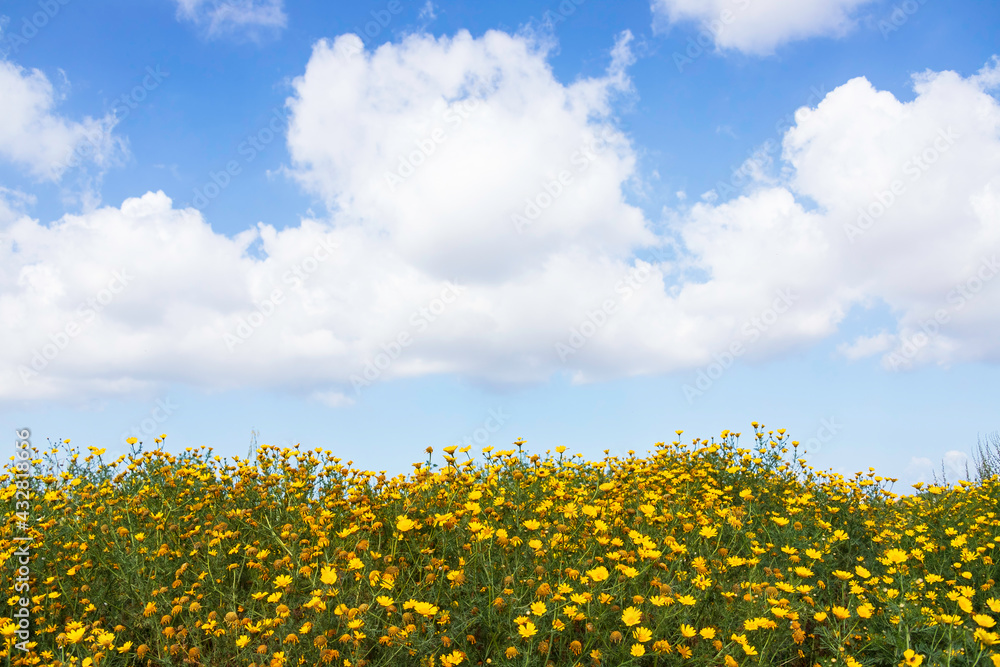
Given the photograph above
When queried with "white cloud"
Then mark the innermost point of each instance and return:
(490, 127)
(380, 305)
(32, 135)
(759, 26)
(235, 18)
(333, 399)
(427, 11)
(866, 346)
(951, 468)
(956, 464)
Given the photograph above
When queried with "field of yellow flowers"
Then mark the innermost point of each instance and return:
(706, 554)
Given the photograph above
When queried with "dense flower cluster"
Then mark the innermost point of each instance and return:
(703, 555)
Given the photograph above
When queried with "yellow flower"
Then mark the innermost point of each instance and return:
(642, 635)
(282, 580)
(965, 604)
(984, 620)
(328, 575)
(631, 616)
(532, 524)
(986, 638)
(841, 613)
(538, 608)
(598, 573)
(820, 616)
(687, 630)
(455, 658)
(707, 633)
(75, 636)
(911, 658)
(404, 523)
(896, 556)
(638, 650)
(384, 600)
(527, 630)
(865, 611)
(425, 609)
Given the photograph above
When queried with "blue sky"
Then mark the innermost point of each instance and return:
(391, 225)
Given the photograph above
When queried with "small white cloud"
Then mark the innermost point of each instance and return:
(760, 26)
(252, 19)
(333, 399)
(427, 12)
(919, 470)
(726, 130)
(989, 76)
(955, 463)
(866, 346)
(32, 135)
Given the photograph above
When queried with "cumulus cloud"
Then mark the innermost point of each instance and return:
(759, 26)
(478, 225)
(34, 136)
(251, 19)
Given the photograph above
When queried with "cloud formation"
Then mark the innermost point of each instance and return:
(252, 19)
(45, 144)
(479, 225)
(758, 27)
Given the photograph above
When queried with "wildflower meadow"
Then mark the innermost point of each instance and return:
(704, 554)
